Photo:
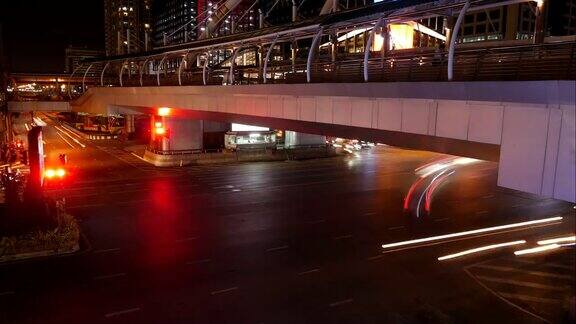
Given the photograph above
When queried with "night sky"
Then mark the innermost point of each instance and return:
(36, 32)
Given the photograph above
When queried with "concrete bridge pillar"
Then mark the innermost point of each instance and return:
(174, 134)
(292, 138)
(129, 126)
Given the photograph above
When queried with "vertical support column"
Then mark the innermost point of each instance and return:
(454, 40)
(385, 31)
(128, 41)
(293, 47)
(146, 41)
(294, 11)
(260, 19)
(179, 134)
(129, 126)
(539, 25)
(164, 39)
(333, 47)
(118, 43)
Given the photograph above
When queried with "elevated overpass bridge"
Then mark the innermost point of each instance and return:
(510, 102)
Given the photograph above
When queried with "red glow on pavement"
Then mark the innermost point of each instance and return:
(410, 192)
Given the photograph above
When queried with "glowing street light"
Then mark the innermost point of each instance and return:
(164, 111)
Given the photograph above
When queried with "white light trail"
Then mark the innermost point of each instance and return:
(72, 138)
(39, 121)
(476, 231)
(566, 239)
(62, 137)
(538, 249)
(480, 249)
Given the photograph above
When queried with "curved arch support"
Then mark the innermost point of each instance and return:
(369, 42)
(102, 74)
(454, 39)
(71, 76)
(265, 69)
(232, 65)
(142, 70)
(205, 67)
(160, 69)
(84, 77)
(184, 59)
(122, 71)
(311, 54)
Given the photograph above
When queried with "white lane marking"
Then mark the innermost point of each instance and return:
(482, 212)
(122, 312)
(278, 248)
(534, 273)
(522, 283)
(487, 196)
(221, 291)
(395, 228)
(490, 290)
(516, 206)
(308, 271)
(138, 156)
(187, 239)
(107, 250)
(342, 237)
(369, 213)
(480, 249)
(199, 261)
(72, 138)
(376, 257)
(110, 276)
(531, 298)
(6, 293)
(465, 233)
(236, 190)
(341, 302)
(441, 219)
(224, 187)
(559, 266)
(62, 137)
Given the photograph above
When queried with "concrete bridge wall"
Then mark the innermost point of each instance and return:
(528, 127)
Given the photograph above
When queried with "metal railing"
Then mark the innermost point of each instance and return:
(548, 61)
(523, 62)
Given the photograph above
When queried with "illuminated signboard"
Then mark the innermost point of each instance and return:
(248, 128)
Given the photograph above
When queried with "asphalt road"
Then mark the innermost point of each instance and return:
(288, 242)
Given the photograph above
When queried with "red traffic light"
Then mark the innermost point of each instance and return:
(54, 173)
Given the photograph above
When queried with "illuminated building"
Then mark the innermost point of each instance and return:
(75, 55)
(247, 136)
(127, 26)
(176, 19)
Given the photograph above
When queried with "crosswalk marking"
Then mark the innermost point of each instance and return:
(522, 283)
(535, 273)
(530, 298)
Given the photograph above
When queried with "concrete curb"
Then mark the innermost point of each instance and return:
(44, 253)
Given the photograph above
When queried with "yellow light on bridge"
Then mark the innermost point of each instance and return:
(401, 36)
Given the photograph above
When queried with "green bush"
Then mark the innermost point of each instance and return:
(63, 238)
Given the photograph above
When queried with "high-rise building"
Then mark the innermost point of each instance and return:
(128, 26)
(176, 19)
(74, 56)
